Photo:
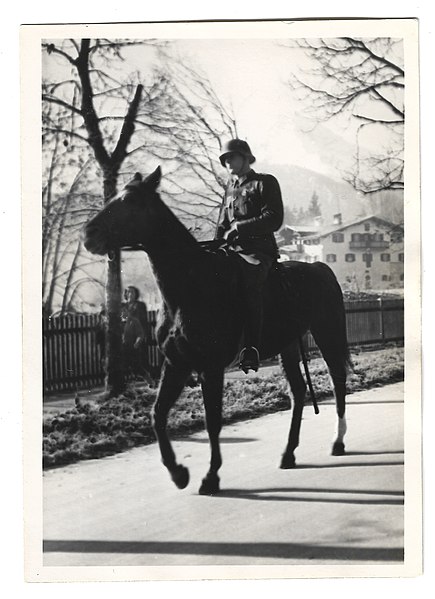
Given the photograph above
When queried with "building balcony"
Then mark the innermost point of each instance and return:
(368, 244)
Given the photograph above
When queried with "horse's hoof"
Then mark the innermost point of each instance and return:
(180, 476)
(338, 448)
(209, 485)
(287, 462)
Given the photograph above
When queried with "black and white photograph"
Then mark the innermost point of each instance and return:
(221, 300)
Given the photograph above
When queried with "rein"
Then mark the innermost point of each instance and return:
(209, 245)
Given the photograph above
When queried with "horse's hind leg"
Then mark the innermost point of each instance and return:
(290, 359)
(336, 358)
(171, 384)
(212, 388)
(338, 375)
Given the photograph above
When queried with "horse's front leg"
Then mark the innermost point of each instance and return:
(212, 389)
(171, 385)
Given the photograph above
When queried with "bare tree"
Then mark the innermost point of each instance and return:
(198, 130)
(186, 140)
(67, 203)
(88, 99)
(123, 121)
(362, 79)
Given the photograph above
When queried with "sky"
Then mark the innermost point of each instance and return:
(250, 76)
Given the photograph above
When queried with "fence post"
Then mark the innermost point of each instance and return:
(381, 316)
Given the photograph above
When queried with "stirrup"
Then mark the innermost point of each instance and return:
(249, 359)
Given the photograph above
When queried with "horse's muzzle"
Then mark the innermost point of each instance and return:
(93, 240)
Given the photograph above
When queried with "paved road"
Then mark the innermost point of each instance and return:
(125, 511)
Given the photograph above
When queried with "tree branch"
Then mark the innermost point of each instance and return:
(88, 111)
(59, 102)
(127, 130)
(52, 49)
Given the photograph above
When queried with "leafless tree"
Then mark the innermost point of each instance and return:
(97, 110)
(124, 120)
(199, 124)
(67, 203)
(362, 79)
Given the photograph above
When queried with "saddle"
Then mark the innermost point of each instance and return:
(277, 285)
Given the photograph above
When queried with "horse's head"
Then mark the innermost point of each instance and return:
(125, 220)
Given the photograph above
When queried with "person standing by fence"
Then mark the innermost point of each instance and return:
(100, 335)
(135, 333)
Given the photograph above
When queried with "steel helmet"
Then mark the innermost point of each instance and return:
(236, 146)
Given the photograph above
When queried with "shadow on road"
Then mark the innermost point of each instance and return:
(266, 550)
(394, 452)
(358, 402)
(297, 494)
(221, 440)
(350, 464)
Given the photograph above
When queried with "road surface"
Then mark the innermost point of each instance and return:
(125, 511)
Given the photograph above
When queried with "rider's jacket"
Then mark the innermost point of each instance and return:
(254, 202)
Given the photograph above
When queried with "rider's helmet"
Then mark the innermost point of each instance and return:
(236, 146)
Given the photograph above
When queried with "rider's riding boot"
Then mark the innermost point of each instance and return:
(249, 358)
(254, 278)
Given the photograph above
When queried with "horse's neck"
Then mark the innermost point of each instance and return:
(173, 235)
(173, 274)
(172, 260)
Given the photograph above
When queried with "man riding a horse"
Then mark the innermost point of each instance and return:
(250, 213)
(200, 322)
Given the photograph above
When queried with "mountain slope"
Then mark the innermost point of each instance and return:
(298, 185)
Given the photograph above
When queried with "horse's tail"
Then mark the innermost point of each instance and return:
(331, 311)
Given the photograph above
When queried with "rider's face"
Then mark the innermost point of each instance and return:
(236, 164)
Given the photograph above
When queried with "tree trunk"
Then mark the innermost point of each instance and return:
(115, 375)
(115, 371)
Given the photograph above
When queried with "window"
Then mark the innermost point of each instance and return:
(367, 259)
(355, 237)
(385, 278)
(338, 237)
(350, 257)
(367, 227)
(331, 258)
(401, 257)
(385, 257)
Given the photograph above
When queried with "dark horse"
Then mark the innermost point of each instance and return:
(201, 322)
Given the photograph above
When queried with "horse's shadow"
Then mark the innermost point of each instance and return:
(223, 440)
(318, 495)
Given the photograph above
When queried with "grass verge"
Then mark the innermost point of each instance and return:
(93, 429)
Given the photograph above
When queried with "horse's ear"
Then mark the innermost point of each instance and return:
(153, 180)
(134, 182)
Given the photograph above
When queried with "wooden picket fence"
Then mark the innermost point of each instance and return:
(72, 358)
(371, 321)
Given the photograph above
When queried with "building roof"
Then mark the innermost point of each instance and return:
(302, 228)
(324, 232)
